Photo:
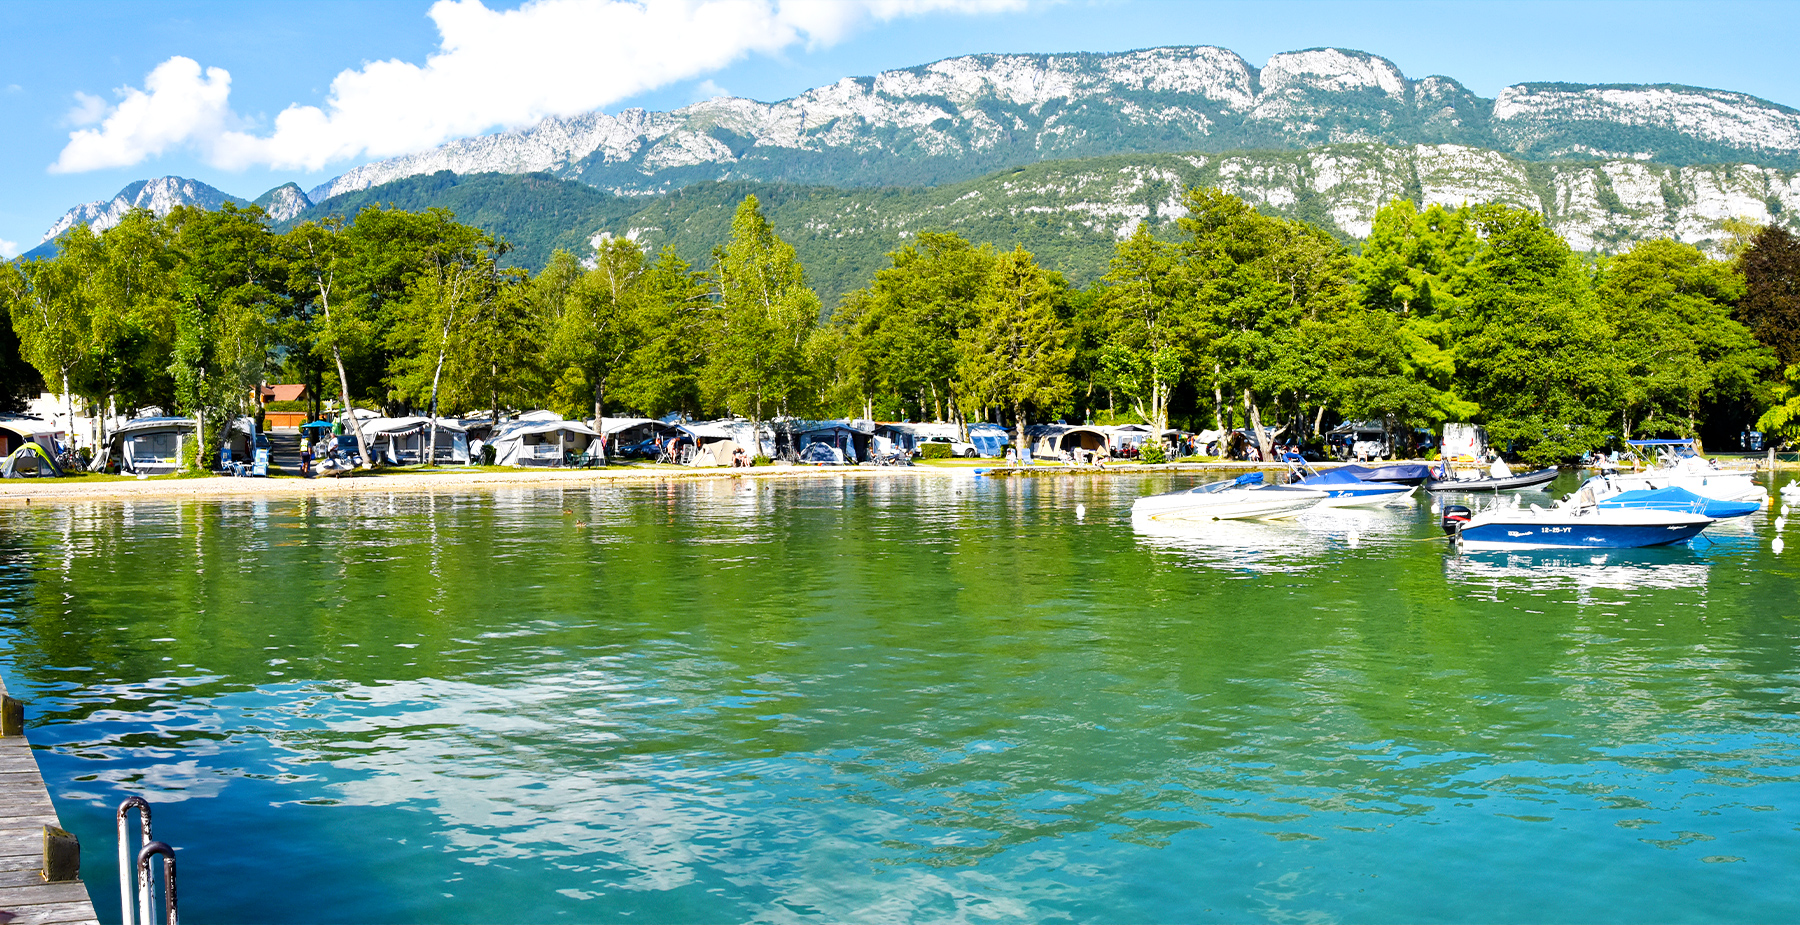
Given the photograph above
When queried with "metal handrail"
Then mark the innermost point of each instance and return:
(146, 913)
(126, 881)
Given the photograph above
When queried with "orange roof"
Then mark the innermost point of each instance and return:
(284, 392)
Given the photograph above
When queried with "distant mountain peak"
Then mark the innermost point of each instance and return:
(283, 202)
(160, 196)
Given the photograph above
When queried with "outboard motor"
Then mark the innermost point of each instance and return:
(1455, 515)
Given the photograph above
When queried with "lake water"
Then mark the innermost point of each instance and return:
(904, 699)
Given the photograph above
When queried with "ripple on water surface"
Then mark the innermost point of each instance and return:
(904, 699)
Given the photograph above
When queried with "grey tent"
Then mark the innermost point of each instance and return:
(27, 462)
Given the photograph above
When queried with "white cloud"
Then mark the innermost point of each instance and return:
(493, 69)
(88, 109)
(179, 105)
(707, 90)
(8, 249)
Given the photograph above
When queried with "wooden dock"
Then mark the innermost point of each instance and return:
(25, 808)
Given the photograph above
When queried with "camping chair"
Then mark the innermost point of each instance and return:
(588, 460)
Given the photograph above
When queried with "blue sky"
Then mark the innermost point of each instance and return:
(65, 65)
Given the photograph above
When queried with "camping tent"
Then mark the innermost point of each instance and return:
(29, 461)
(716, 453)
(539, 442)
(401, 441)
(152, 446)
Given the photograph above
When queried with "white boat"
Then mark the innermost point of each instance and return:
(1346, 488)
(1242, 498)
(1693, 473)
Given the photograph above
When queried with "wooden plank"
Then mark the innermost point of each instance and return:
(37, 894)
(25, 808)
(53, 913)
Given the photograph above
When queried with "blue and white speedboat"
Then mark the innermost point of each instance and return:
(1242, 498)
(1570, 527)
(1348, 489)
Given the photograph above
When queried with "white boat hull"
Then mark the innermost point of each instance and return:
(1366, 498)
(1266, 503)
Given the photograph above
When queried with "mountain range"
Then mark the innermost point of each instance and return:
(1102, 140)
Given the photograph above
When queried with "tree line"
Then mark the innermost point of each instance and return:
(1229, 318)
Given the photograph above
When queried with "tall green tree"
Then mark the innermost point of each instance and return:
(1770, 306)
(764, 317)
(1417, 266)
(457, 279)
(1147, 319)
(1015, 356)
(1534, 349)
(1262, 285)
(899, 333)
(50, 314)
(1676, 343)
(602, 325)
(674, 307)
(336, 326)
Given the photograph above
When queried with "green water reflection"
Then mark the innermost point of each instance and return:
(904, 699)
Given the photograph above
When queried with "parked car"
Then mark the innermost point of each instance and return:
(957, 447)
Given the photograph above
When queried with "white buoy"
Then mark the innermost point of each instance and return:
(1435, 507)
(1778, 545)
(1080, 512)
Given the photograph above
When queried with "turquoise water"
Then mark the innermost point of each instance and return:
(904, 699)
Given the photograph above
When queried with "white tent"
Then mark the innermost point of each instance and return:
(401, 441)
(540, 443)
(152, 446)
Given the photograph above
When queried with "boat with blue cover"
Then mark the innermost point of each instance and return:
(1242, 498)
(1680, 499)
(1345, 488)
(1399, 473)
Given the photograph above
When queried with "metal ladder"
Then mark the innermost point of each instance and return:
(138, 874)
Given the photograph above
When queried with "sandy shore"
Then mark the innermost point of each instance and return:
(31, 491)
(15, 492)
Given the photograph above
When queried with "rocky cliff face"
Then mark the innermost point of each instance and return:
(1602, 206)
(284, 202)
(963, 117)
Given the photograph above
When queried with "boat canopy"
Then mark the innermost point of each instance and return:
(1680, 441)
(1675, 498)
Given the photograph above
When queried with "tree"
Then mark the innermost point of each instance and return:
(1534, 350)
(315, 253)
(50, 316)
(599, 327)
(458, 278)
(1676, 342)
(1770, 306)
(1262, 286)
(1147, 321)
(1417, 266)
(231, 288)
(764, 316)
(1015, 356)
(673, 304)
(899, 333)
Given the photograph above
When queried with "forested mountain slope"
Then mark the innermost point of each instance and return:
(1071, 212)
